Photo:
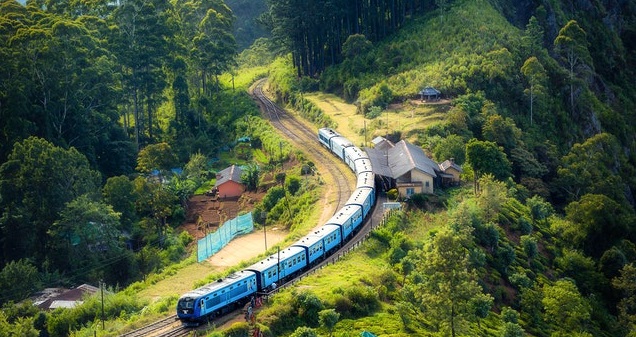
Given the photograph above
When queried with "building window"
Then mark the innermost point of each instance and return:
(410, 191)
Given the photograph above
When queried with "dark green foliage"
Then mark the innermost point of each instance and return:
(600, 223)
(18, 280)
(251, 176)
(304, 331)
(292, 184)
(487, 158)
(357, 302)
(307, 306)
(328, 319)
(272, 197)
(36, 182)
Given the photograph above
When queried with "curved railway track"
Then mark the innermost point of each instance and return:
(306, 139)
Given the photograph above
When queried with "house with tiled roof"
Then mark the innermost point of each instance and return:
(228, 182)
(406, 167)
(53, 298)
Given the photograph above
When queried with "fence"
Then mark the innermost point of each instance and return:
(214, 242)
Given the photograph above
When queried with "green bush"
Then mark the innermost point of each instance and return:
(357, 302)
(238, 329)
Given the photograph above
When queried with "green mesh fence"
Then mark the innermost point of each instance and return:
(214, 242)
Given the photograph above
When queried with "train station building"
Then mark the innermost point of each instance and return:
(407, 168)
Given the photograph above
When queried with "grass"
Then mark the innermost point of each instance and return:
(409, 118)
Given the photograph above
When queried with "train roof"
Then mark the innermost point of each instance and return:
(355, 153)
(342, 141)
(219, 284)
(359, 196)
(363, 165)
(309, 240)
(273, 259)
(366, 179)
(343, 214)
(329, 132)
(316, 236)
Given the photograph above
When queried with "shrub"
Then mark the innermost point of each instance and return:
(392, 194)
(238, 329)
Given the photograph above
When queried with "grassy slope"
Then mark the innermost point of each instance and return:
(408, 118)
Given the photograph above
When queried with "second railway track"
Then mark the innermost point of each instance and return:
(305, 138)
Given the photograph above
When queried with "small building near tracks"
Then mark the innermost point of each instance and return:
(407, 168)
(228, 182)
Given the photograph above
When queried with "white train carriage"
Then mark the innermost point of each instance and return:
(320, 242)
(348, 219)
(325, 135)
(352, 155)
(363, 165)
(363, 197)
(338, 145)
(278, 266)
(366, 179)
(215, 298)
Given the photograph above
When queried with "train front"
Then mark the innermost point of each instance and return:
(187, 310)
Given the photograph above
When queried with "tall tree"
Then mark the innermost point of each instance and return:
(565, 308)
(35, 183)
(571, 44)
(626, 284)
(445, 286)
(487, 158)
(536, 76)
(214, 45)
(84, 239)
(142, 46)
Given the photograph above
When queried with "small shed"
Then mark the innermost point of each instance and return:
(229, 183)
(430, 94)
(451, 172)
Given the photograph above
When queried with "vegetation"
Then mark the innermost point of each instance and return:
(101, 105)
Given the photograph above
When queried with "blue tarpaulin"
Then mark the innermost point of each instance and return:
(214, 242)
(367, 334)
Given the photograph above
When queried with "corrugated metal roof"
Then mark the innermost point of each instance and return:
(400, 159)
(232, 173)
(449, 163)
(379, 162)
(405, 157)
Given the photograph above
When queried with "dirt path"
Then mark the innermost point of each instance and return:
(246, 247)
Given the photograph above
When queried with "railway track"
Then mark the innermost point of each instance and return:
(154, 329)
(306, 139)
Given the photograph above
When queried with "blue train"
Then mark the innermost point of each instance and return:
(217, 298)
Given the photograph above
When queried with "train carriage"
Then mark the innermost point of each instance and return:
(320, 242)
(313, 245)
(325, 135)
(198, 305)
(363, 165)
(363, 197)
(278, 266)
(353, 154)
(348, 218)
(366, 179)
(338, 146)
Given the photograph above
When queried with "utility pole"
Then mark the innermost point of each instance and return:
(101, 286)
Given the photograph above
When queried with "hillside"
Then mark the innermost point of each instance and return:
(550, 232)
(113, 114)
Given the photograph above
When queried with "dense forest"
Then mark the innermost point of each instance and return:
(94, 97)
(100, 101)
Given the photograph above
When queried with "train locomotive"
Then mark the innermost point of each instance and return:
(216, 298)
